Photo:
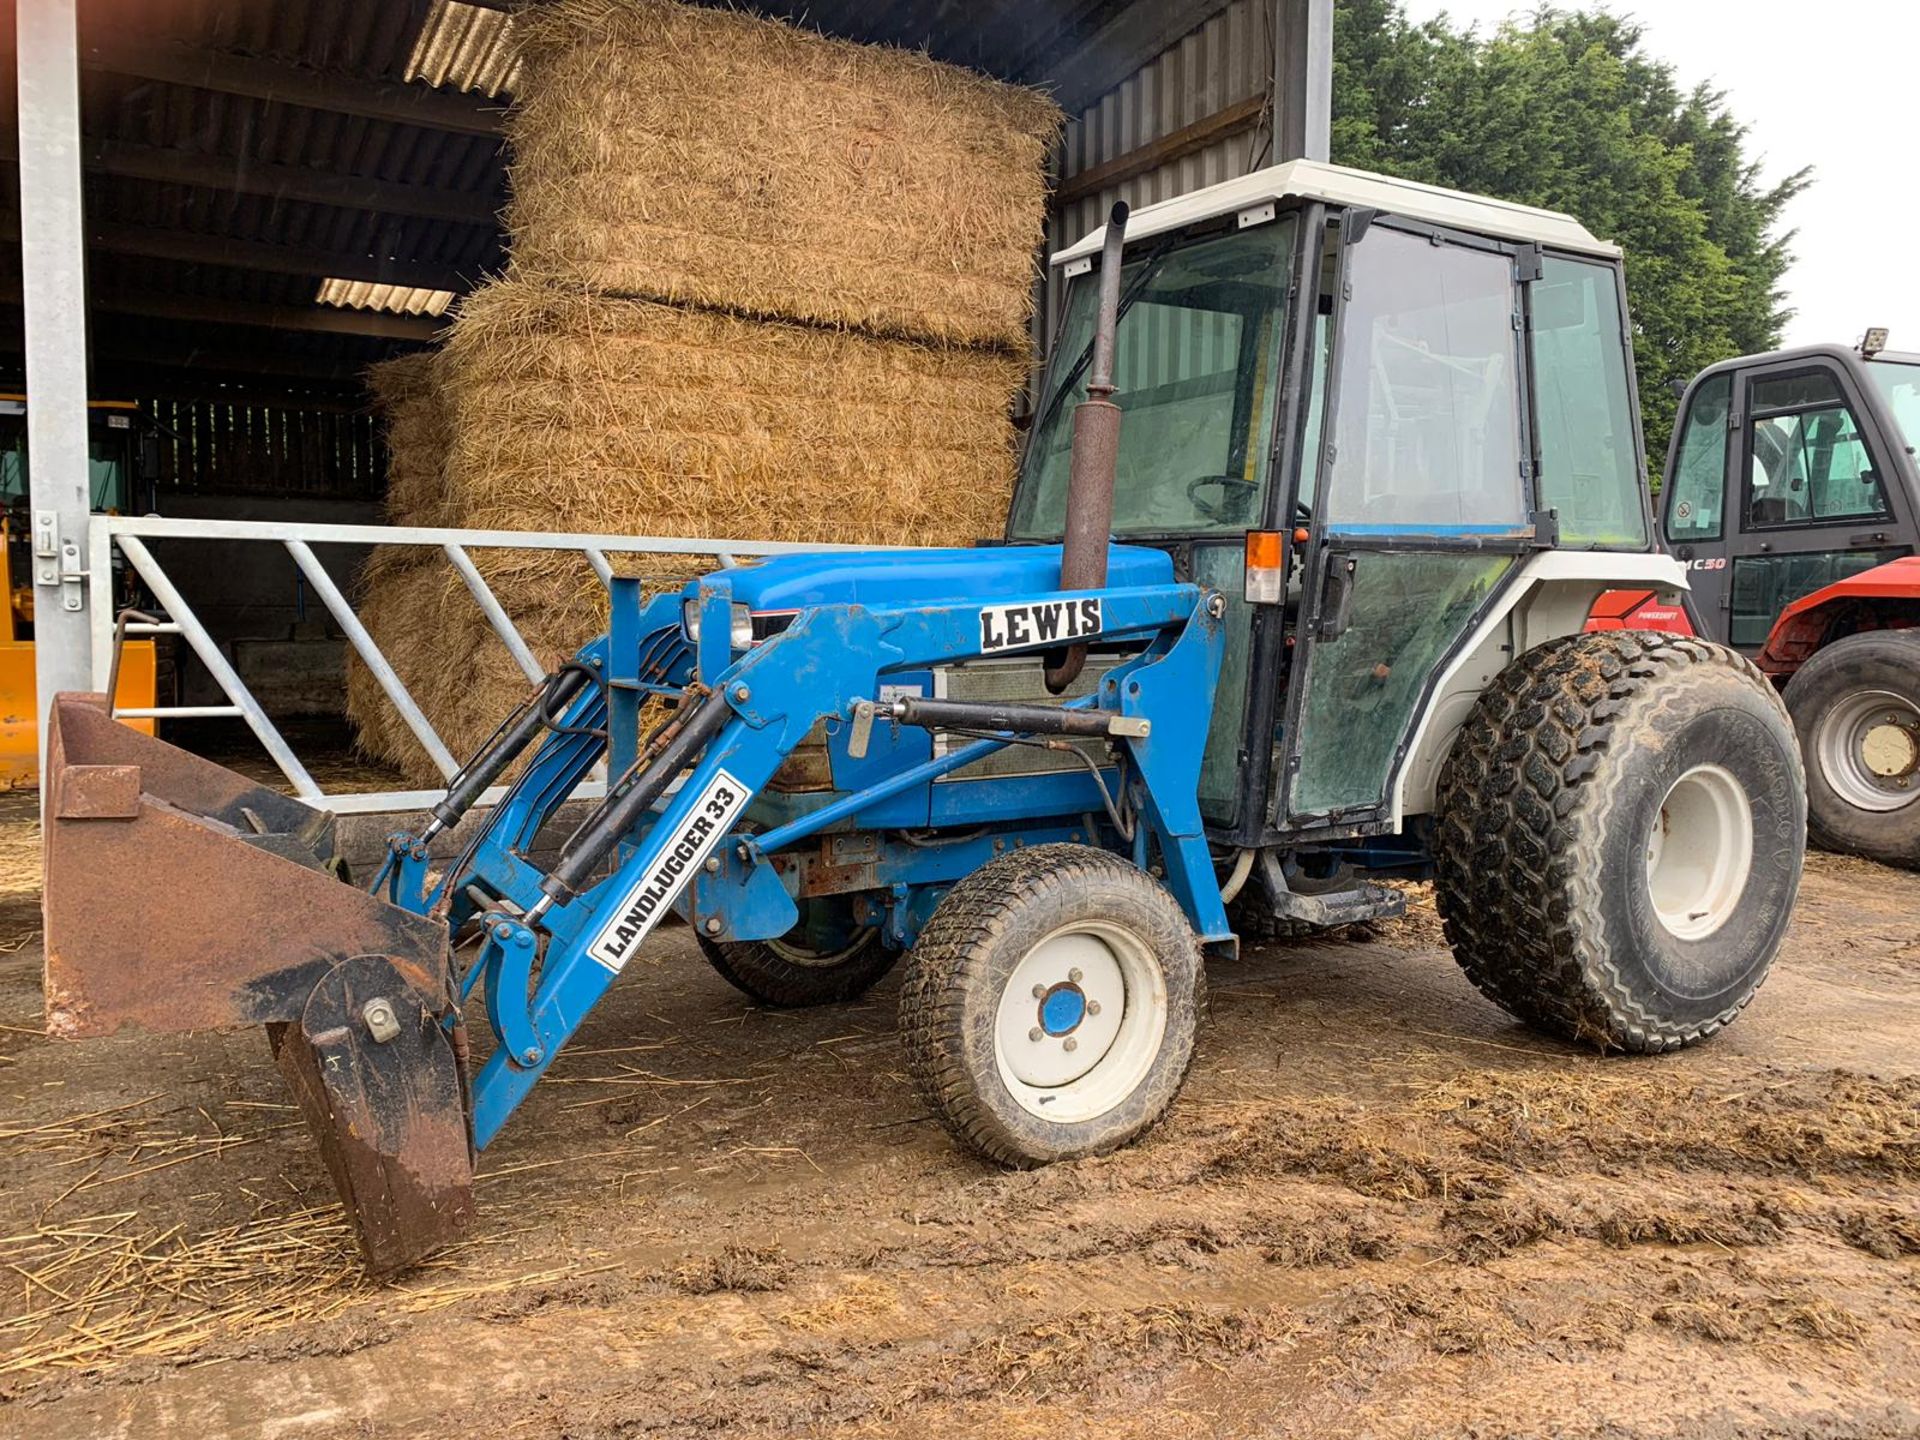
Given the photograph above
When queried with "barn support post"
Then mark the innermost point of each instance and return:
(54, 297)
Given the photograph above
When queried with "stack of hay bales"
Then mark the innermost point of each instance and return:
(763, 284)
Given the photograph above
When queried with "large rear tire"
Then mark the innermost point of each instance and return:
(1622, 824)
(1856, 705)
(1050, 1004)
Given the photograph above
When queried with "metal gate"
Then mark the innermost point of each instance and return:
(129, 536)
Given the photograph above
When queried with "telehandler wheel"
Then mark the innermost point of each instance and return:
(1856, 704)
(1050, 1005)
(1622, 821)
(803, 967)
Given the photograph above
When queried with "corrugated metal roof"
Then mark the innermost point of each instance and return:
(394, 299)
(467, 47)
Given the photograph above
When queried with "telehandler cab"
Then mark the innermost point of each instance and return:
(1327, 474)
(1793, 499)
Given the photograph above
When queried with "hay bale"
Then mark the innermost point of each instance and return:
(572, 412)
(708, 157)
(400, 604)
(408, 394)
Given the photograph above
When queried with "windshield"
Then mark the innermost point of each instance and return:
(106, 468)
(1196, 363)
(1899, 385)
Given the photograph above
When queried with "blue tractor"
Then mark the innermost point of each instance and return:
(1326, 473)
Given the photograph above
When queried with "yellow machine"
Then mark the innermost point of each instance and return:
(116, 463)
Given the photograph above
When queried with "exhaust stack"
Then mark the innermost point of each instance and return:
(1096, 453)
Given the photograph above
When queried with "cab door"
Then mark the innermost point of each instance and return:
(1808, 493)
(1418, 513)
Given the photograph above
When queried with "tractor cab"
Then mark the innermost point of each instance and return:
(1790, 472)
(1357, 408)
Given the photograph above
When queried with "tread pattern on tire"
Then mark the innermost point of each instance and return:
(761, 973)
(973, 914)
(1517, 886)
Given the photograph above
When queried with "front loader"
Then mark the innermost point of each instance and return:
(1328, 474)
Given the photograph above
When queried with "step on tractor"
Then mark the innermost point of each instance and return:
(1793, 499)
(1326, 474)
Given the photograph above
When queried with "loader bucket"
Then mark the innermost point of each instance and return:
(181, 896)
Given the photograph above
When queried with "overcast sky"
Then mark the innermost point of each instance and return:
(1820, 83)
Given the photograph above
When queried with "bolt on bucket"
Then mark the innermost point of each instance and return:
(182, 896)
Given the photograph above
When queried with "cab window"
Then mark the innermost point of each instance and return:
(1697, 485)
(1196, 365)
(1589, 457)
(1807, 462)
(1426, 427)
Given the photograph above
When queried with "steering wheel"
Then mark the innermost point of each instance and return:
(1236, 496)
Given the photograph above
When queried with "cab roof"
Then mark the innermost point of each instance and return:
(1338, 185)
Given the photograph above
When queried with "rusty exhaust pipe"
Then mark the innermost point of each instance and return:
(1096, 454)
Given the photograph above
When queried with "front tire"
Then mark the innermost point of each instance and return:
(1856, 705)
(1049, 1007)
(1622, 824)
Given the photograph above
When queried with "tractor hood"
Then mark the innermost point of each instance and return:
(892, 577)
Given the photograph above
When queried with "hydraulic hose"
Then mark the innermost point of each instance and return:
(622, 810)
(555, 694)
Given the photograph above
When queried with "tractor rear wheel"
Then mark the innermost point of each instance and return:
(821, 961)
(1050, 1004)
(1622, 823)
(1856, 704)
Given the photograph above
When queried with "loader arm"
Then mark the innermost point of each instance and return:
(760, 708)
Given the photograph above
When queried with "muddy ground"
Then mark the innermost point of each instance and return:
(1379, 1208)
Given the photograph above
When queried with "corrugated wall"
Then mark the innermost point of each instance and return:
(1225, 62)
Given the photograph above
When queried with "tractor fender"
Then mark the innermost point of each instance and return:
(1887, 597)
(1554, 593)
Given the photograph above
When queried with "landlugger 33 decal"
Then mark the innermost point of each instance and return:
(673, 864)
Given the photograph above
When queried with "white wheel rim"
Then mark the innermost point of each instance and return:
(1094, 995)
(1700, 852)
(1868, 748)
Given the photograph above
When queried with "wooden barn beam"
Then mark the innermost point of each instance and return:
(190, 248)
(1164, 151)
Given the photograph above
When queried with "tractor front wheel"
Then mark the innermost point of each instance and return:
(1856, 704)
(1050, 1004)
(1622, 823)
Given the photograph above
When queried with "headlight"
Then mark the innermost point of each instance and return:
(739, 628)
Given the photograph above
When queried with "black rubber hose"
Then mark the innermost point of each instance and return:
(491, 763)
(621, 811)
